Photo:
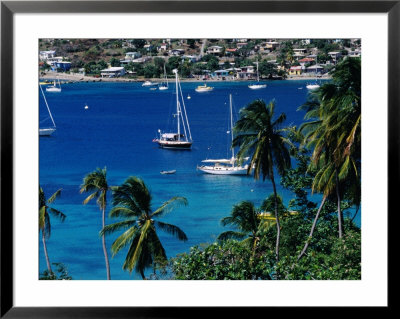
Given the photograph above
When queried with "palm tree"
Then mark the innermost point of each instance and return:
(132, 201)
(96, 182)
(335, 133)
(259, 136)
(44, 219)
(246, 217)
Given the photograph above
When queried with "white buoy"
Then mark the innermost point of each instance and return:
(86, 107)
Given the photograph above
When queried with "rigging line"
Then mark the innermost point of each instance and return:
(184, 108)
(183, 122)
(48, 109)
(180, 109)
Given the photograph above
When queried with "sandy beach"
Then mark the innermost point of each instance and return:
(71, 77)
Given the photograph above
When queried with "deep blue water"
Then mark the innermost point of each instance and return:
(117, 131)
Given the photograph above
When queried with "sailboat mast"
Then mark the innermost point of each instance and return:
(165, 75)
(258, 78)
(233, 151)
(48, 109)
(177, 103)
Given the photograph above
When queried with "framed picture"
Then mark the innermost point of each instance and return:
(144, 110)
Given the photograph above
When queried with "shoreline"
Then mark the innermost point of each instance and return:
(81, 78)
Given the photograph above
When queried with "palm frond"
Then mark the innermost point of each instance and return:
(90, 197)
(124, 239)
(109, 229)
(54, 196)
(120, 211)
(172, 229)
(56, 213)
(139, 245)
(230, 234)
(169, 205)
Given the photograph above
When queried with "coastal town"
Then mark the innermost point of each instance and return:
(195, 59)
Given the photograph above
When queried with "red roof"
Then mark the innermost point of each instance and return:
(306, 60)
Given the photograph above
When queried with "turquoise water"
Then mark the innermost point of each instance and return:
(116, 131)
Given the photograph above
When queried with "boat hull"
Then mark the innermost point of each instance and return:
(52, 89)
(257, 86)
(312, 86)
(46, 131)
(175, 145)
(223, 170)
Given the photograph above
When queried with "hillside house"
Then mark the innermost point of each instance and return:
(112, 72)
(317, 69)
(295, 70)
(45, 55)
(215, 50)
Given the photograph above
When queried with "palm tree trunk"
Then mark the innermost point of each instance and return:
(340, 217)
(103, 238)
(278, 226)
(142, 274)
(312, 229)
(45, 253)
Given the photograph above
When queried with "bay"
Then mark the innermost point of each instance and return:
(116, 131)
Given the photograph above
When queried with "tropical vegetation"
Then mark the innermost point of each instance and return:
(44, 220)
(312, 237)
(96, 182)
(133, 203)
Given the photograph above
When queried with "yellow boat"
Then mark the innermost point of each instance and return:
(204, 88)
(45, 82)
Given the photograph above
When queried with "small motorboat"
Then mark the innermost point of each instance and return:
(204, 88)
(168, 172)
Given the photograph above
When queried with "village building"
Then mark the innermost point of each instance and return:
(295, 70)
(315, 69)
(215, 50)
(45, 55)
(112, 72)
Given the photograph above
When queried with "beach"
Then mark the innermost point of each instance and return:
(74, 77)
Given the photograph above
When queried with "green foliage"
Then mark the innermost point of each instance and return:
(115, 62)
(227, 260)
(266, 69)
(132, 202)
(151, 71)
(343, 262)
(173, 63)
(61, 273)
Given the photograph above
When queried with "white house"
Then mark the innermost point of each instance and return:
(132, 55)
(315, 69)
(163, 47)
(112, 72)
(215, 49)
(335, 55)
(44, 55)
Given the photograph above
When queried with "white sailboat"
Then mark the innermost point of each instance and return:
(177, 140)
(312, 86)
(257, 85)
(149, 83)
(47, 131)
(54, 88)
(164, 86)
(224, 166)
(315, 85)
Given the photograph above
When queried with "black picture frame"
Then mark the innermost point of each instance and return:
(9, 8)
